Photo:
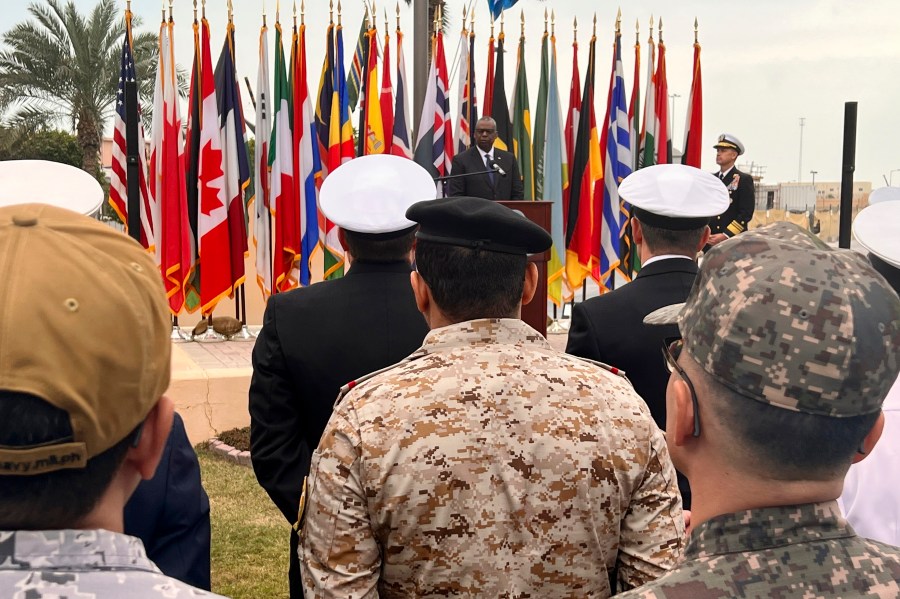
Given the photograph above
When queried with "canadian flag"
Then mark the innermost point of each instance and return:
(215, 262)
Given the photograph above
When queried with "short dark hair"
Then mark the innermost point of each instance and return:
(365, 247)
(788, 445)
(467, 284)
(667, 241)
(54, 500)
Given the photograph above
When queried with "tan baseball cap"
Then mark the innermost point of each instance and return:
(84, 326)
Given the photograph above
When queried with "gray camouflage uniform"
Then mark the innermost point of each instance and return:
(806, 551)
(82, 564)
(489, 464)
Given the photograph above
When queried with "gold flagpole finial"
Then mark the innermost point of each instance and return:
(170, 9)
(696, 28)
(203, 9)
(295, 15)
(502, 20)
(195, 10)
(385, 21)
(302, 13)
(659, 34)
(637, 32)
(595, 25)
(651, 28)
(492, 25)
(545, 20)
(264, 13)
(398, 15)
(619, 21)
(277, 11)
(230, 12)
(523, 22)
(339, 13)
(575, 30)
(330, 12)
(472, 21)
(552, 23)
(128, 6)
(372, 17)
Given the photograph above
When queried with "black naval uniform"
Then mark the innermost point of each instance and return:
(313, 341)
(737, 217)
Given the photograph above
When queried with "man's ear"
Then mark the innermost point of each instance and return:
(868, 444)
(145, 456)
(421, 292)
(531, 283)
(637, 232)
(682, 412)
(704, 238)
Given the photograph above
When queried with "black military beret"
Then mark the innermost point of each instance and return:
(478, 224)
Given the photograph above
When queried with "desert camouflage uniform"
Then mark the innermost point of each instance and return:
(489, 464)
(82, 564)
(804, 551)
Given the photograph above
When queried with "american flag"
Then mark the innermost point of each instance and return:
(118, 186)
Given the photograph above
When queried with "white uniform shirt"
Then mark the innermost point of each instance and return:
(871, 497)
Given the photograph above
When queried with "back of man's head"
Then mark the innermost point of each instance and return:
(368, 198)
(792, 349)
(473, 254)
(84, 358)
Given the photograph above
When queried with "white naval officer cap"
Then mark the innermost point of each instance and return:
(727, 140)
(877, 229)
(46, 182)
(371, 194)
(676, 197)
(884, 194)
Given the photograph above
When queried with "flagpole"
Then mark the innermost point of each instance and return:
(132, 161)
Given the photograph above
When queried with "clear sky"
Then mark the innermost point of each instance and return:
(765, 65)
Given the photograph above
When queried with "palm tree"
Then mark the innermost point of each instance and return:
(64, 67)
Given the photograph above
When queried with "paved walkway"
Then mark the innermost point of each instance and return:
(210, 382)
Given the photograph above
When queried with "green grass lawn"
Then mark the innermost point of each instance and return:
(249, 534)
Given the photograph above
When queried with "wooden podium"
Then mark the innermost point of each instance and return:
(535, 313)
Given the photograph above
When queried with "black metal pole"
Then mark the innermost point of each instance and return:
(849, 162)
(243, 304)
(132, 161)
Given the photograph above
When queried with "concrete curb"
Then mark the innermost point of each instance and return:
(229, 453)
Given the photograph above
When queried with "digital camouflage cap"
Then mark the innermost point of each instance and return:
(778, 316)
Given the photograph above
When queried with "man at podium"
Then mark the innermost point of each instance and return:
(493, 174)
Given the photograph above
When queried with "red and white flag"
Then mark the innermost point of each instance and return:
(167, 177)
(212, 220)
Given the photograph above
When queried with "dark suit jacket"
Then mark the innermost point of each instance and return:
(610, 329)
(742, 193)
(170, 513)
(509, 187)
(313, 341)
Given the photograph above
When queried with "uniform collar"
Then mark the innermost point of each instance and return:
(766, 528)
(361, 267)
(724, 174)
(72, 549)
(506, 331)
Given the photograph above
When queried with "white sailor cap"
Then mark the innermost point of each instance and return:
(884, 194)
(674, 196)
(877, 229)
(371, 194)
(727, 140)
(46, 182)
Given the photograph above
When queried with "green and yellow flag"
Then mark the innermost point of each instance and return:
(521, 124)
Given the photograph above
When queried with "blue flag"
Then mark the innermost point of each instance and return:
(498, 6)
